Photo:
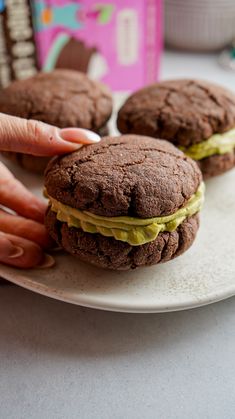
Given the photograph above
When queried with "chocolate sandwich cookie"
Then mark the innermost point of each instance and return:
(125, 202)
(197, 116)
(63, 98)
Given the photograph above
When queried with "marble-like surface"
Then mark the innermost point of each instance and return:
(64, 362)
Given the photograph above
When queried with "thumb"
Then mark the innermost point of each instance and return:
(40, 139)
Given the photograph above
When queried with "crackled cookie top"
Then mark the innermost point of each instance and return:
(184, 112)
(124, 176)
(63, 98)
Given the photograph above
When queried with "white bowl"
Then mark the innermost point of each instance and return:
(205, 25)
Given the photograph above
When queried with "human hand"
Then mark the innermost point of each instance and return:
(23, 237)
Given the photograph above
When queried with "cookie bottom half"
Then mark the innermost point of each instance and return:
(106, 252)
(217, 164)
(35, 164)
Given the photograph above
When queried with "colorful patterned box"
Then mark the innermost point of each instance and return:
(118, 42)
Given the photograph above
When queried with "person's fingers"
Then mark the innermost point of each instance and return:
(23, 227)
(8, 249)
(22, 253)
(15, 196)
(37, 138)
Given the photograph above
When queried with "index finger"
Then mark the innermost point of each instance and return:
(40, 139)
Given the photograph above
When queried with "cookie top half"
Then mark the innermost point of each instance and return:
(127, 175)
(63, 98)
(184, 112)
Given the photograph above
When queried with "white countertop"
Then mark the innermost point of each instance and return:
(63, 361)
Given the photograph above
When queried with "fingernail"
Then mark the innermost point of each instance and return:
(47, 262)
(16, 252)
(79, 135)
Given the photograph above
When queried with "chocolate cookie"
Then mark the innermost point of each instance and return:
(33, 164)
(125, 202)
(63, 98)
(187, 113)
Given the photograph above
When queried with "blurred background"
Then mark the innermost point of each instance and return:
(120, 43)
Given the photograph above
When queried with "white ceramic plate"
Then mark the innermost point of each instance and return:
(204, 274)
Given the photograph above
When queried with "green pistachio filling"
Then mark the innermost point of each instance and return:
(217, 144)
(135, 231)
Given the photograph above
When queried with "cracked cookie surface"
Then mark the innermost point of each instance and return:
(63, 98)
(127, 175)
(184, 112)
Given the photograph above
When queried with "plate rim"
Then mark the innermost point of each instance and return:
(46, 291)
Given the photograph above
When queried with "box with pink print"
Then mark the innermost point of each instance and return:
(117, 42)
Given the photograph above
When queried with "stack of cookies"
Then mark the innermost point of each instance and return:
(196, 116)
(125, 202)
(132, 200)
